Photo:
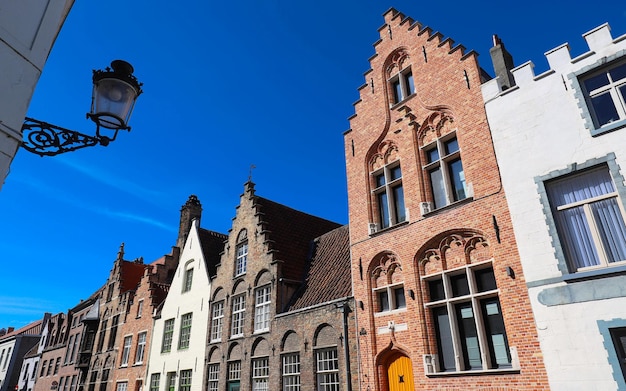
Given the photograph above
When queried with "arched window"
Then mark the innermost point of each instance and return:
(241, 260)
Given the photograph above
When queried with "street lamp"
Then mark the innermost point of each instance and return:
(115, 91)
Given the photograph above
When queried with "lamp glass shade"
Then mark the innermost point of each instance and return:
(112, 102)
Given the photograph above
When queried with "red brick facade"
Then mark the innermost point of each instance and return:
(435, 240)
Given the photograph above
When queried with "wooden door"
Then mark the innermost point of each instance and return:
(400, 374)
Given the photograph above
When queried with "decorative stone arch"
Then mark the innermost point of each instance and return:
(242, 236)
(386, 360)
(451, 249)
(215, 355)
(395, 61)
(260, 348)
(290, 342)
(263, 277)
(219, 294)
(325, 335)
(437, 124)
(386, 152)
(239, 287)
(235, 352)
(385, 269)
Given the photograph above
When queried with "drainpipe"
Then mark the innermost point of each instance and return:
(345, 309)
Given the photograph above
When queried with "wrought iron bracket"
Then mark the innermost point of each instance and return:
(45, 139)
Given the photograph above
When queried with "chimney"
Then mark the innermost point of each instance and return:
(502, 63)
(191, 211)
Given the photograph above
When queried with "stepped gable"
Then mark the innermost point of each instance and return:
(212, 244)
(288, 234)
(130, 274)
(328, 271)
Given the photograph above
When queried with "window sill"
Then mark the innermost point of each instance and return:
(390, 228)
(596, 273)
(449, 206)
(608, 128)
(391, 312)
(399, 104)
(482, 372)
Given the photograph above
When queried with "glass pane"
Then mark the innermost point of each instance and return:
(581, 186)
(604, 108)
(395, 173)
(618, 73)
(451, 146)
(445, 346)
(574, 229)
(469, 336)
(596, 82)
(383, 301)
(432, 155)
(439, 190)
(383, 210)
(380, 180)
(457, 177)
(611, 228)
(398, 200)
(496, 334)
(459, 284)
(400, 302)
(436, 290)
(410, 83)
(397, 91)
(485, 280)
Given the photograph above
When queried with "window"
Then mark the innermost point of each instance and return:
(262, 309)
(239, 314)
(141, 348)
(217, 321)
(168, 333)
(390, 298)
(104, 380)
(188, 279)
(213, 377)
(234, 375)
(468, 320)
(605, 92)
(102, 334)
(73, 385)
(589, 219)
(109, 295)
(185, 331)
(618, 335)
(34, 370)
(25, 374)
(113, 334)
(49, 370)
(327, 369)
(139, 308)
(155, 380)
(171, 381)
(74, 348)
(185, 380)
(8, 357)
(122, 386)
(126, 350)
(242, 259)
(68, 352)
(389, 195)
(291, 372)
(260, 374)
(445, 171)
(57, 364)
(61, 383)
(402, 85)
(43, 368)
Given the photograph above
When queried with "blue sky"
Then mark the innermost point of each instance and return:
(227, 85)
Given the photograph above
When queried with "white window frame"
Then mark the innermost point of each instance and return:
(128, 340)
(121, 386)
(238, 315)
(291, 371)
(217, 320)
(141, 347)
(443, 162)
(612, 88)
(260, 374)
(262, 308)
(213, 375)
(327, 369)
(188, 279)
(241, 263)
(405, 82)
(184, 337)
(392, 302)
(139, 308)
(475, 298)
(234, 371)
(395, 207)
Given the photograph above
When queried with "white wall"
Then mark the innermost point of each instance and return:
(538, 128)
(28, 29)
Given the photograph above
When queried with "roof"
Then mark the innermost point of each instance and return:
(289, 233)
(130, 274)
(212, 244)
(328, 274)
(34, 328)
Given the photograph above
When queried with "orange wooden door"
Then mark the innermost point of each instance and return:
(400, 374)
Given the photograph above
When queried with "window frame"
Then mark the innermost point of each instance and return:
(290, 371)
(187, 279)
(140, 351)
(241, 258)
(260, 373)
(402, 86)
(389, 292)
(213, 376)
(233, 376)
(155, 381)
(611, 88)
(217, 321)
(168, 335)
(184, 380)
(238, 315)
(120, 386)
(262, 309)
(128, 341)
(459, 309)
(390, 206)
(184, 336)
(327, 369)
(447, 193)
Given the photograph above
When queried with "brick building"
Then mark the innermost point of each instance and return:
(559, 141)
(280, 318)
(441, 295)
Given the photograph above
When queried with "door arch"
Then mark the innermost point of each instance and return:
(400, 374)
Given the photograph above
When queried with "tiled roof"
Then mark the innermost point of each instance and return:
(328, 271)
(289, 233)
(212, 244)
(34, 328)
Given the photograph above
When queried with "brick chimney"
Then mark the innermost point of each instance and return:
(190, 211)
(502, 63)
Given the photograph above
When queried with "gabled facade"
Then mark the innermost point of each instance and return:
(559, 138)
(440, 291)
(280, 319)
(176, 358)
(14, 346)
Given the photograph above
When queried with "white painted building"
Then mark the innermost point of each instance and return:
(560, 139)
(28, 29)
(180, 328)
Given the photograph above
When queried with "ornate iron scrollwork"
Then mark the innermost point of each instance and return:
(45, 139)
